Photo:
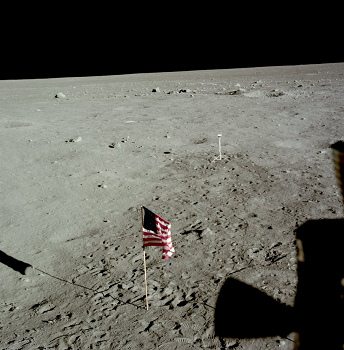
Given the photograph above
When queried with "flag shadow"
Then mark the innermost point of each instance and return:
(21, 267)
(243, 311)
(16, 265)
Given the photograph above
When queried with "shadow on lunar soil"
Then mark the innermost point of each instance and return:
(17, 265)
(243, 311)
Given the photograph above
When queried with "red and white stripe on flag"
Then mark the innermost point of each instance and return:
(157, 233)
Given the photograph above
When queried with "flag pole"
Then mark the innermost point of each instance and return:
(144, 266)
(144, 263)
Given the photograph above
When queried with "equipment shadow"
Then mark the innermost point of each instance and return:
(243, 311)
(21, 267)
(16, 265)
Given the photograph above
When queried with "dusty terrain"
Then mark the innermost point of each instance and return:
(79, 156)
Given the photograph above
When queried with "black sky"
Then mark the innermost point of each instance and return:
(68, 43)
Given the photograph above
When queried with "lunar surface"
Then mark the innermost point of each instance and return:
(80, 156)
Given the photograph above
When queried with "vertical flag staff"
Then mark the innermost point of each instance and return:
(144, 263)
(146, 287)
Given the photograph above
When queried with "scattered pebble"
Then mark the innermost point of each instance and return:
(275, 93)
(78, 139)
(281, 342)
(43, 307)
(200, 140)
(60, 95)
(231, 343)
(118, 144)
(115, 144)
(157, 89)
(12, 308)
(231, 92)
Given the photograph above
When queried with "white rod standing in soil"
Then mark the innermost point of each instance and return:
(219, 136)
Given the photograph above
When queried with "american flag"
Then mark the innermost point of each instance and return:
(157, 233)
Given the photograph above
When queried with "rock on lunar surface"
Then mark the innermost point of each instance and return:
(60, 95)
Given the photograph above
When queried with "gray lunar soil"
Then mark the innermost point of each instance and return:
(79, 156)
